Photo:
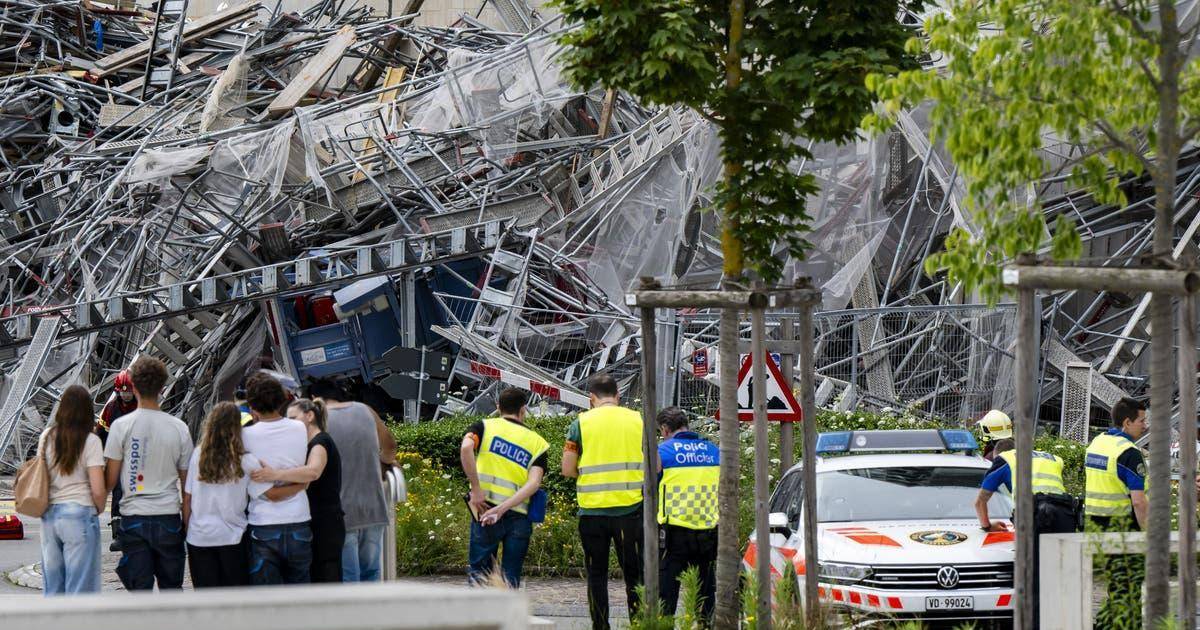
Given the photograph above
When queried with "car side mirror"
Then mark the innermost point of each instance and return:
(777, 522)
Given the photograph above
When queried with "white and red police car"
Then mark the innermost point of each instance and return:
(897, 532)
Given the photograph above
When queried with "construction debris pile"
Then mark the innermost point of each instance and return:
(434, 211)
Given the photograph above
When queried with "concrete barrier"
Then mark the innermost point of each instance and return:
(1066, 573)
(385, 606)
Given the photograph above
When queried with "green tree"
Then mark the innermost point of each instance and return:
(1110, 76)
(767, 74)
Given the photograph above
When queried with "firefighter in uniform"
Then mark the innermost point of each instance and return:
(603, 451)
(994, 425)
(505, 475)
(687, 509)
(1055, 511)
(121, 403)
(1115, 501)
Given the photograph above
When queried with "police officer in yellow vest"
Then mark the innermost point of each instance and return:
(1055, 511)
(604, 451)
(1115, 500)
(687, 509)
(504, 476)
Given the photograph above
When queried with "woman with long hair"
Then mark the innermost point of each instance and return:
(215, 495)
(322, 472)
(70, 526)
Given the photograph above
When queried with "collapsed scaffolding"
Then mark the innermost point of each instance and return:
(166, 182)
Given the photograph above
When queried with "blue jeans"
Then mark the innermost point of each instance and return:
(362, 554)
(70, 549)
(280, 554)
(512, 532)
(151, 549)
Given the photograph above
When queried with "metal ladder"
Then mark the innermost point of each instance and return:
(24, 380)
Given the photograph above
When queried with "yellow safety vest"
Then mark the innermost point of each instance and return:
(506, 452)
(1047, 472)
(610, 466)
(1106, 494)
(687, 493)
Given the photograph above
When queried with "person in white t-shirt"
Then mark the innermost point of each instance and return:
(280, 532)
(215, 496)
(147, 453)
(70, 527)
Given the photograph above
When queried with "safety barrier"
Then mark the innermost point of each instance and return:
(388, 606)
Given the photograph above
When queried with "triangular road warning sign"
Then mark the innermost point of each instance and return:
(781, 403)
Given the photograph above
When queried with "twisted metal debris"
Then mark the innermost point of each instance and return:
(161, 193)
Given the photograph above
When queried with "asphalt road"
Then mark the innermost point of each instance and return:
(18, 553)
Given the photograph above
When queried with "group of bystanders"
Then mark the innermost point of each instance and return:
(294, 495)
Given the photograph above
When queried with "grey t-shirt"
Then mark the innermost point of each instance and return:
(152, 447)
(353, 431)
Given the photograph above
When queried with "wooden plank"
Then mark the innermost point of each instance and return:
(312, 72)
(199, 28)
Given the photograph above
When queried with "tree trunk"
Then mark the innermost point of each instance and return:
(1158, 559)
(728, 559)
(728, 567)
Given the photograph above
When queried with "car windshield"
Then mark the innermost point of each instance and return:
(903, 493)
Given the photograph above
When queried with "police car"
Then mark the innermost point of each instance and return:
(897, 532)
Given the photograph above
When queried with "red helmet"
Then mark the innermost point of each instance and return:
(123, 383)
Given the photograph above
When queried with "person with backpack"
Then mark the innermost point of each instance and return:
(70, 526)
(148, 453)
(279, 530)
(215, 496)
(322, 473)
(120, 403)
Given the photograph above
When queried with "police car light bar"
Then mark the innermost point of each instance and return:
(905, 440)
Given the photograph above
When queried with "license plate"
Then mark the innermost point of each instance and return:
(950, 602)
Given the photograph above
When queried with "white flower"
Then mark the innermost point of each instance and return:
(437, 521)
(458, 539)
(446, 476)
(431, 533)
(406, 466)
(449, 515)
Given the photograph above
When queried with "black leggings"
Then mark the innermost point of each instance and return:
(329, 534)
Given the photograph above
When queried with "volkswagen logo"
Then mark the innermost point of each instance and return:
(947, 577)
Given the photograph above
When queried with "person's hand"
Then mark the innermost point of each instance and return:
(265, 474)
(493, 516)
(478, 503)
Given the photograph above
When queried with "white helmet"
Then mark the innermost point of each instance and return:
(995, 425)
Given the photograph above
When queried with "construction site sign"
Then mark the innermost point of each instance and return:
(781, 403)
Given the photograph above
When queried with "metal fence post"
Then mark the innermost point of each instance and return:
(787, 430)
(649, 449)
(389, 543)
(1026, 424)
(1187, 462)
(762, 530)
